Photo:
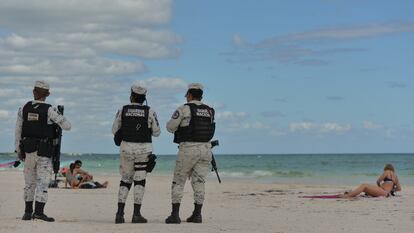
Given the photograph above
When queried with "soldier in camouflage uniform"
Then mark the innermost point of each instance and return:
(193, 127)
(137, 123)
(34, 132)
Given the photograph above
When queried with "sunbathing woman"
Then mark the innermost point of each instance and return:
(387, 184)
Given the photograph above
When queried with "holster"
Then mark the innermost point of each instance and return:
(151, 162)
(45, 148)
(29, 145)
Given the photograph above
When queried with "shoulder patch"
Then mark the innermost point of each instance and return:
(176, 115)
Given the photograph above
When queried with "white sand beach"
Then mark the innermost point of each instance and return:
(233, 206)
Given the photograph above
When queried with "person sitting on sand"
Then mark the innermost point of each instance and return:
(387, 184)
(76, 178)
(85, 175)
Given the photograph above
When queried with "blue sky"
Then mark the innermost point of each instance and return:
(284, 76)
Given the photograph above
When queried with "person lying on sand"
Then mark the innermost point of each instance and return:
(387, 184)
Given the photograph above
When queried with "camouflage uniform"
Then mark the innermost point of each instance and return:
(37, 169)
(37, 176)
(134, 154)
(193, 127)
(193, 159)
(133, 157)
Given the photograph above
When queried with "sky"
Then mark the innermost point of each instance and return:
(321, 76)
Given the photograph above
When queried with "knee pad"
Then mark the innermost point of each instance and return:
(125, 184)
(140, 166)
(140, 182)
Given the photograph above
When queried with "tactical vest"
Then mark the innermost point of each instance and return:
(201, 127)
(35, 121)
(134, 126)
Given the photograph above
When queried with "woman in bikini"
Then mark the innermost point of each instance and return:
(387, 184)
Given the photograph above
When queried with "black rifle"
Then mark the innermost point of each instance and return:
(213, 160)
(56, 150)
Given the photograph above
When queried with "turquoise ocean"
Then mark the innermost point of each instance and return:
(347, 169)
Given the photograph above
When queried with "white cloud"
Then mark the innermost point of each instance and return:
(302, 126)
(88, 15)
(164, 84)
(371, 125)
(237, 40)
(4, 114)
(311, 47)
(230, 116)
(88, 38)
(340, 33)
(319, 127)
(89, 52)
(334, 127)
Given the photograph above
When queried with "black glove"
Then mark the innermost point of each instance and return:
(16, 163)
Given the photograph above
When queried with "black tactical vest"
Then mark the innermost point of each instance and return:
(134, 126)
(35, 121)
(201, 127)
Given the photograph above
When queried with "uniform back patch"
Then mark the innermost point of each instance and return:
(203, 113)
(135, 113)
(32, 116)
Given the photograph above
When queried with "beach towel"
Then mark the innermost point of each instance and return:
(8, 164)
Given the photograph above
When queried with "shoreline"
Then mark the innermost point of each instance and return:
(240, 206)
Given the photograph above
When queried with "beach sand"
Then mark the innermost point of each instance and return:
(233, 206)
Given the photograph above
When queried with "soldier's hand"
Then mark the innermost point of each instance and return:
(16, 163)
(20, 155)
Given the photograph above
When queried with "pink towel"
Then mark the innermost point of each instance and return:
(9, 164)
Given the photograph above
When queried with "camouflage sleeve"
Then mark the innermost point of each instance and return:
(155, 125)
(58, 118)
(175, 121)
(18, 130)
(117, 122)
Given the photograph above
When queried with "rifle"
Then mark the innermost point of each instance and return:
(213, 160)
(56, 150)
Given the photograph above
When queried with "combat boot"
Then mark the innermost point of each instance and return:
(137, 217)
(119, 217)
(27, 216)
(174, 218)
(28, 211)
(196, 216)
(39, 212)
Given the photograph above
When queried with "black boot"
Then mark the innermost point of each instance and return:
(174, 218)
(119, 217)
(39, 212)
(196, 216)
(137, 217)
(28, 211)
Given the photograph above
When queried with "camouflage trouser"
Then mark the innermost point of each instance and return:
(37, 175)
(132, 169)
(192, 162)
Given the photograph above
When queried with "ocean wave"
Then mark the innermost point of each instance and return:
(262, 174)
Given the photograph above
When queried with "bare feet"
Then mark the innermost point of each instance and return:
(105, 184)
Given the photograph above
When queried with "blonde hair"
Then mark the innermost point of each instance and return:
(389, 167)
